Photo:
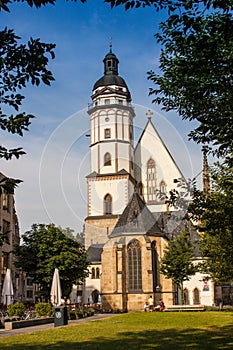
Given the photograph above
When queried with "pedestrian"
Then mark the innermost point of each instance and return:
(151, 303)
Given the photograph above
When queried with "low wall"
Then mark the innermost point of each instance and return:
(185, 308)
(28, 323)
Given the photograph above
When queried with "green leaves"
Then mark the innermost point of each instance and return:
(177, 262)
(50, 249)
(20, 64)
(196, 80)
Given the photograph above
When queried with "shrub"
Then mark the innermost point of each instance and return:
(16, 309)
(43, 309)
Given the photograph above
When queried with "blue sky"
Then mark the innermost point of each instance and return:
(57, 160)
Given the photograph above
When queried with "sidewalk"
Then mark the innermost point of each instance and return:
(9, 333)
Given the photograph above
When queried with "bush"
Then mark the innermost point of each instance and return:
(43, 309)
(16, 309)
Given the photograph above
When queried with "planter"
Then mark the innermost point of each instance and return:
(28, 323)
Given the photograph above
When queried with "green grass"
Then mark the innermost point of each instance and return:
(138, 330)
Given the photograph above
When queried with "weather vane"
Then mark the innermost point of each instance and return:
(110, 43)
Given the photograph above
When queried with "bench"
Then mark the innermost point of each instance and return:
(180, 308)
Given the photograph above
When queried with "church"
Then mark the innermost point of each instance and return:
(129, 221)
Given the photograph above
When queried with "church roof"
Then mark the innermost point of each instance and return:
(94, 253)
(136, 218)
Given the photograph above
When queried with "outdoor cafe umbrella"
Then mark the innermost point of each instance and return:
(7, 289)
(55, 294)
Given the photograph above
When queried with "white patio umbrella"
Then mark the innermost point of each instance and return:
(55, 294)
(7, 289)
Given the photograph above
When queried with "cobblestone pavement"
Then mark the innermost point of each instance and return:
(9, 333)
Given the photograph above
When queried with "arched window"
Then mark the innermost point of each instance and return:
(163, 186)
(107, 159)
(151, 181)
(155, 266)
(196, 296)
(97, 272)
(93, 272)
(186, 296)
(107, 204)
(134, 266)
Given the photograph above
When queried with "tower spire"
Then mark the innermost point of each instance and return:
(205, 171)
(110, 45)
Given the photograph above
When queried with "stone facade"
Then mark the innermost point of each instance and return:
(9, 231)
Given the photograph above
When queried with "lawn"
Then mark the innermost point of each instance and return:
(138, 330)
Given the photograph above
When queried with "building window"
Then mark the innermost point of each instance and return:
(151, 181)
(6, 201)
(163, 187)
(107, 133)
(93, 272)
(196, 296)
(97, 272)
(135, 266)
(107, 159)
(6, 231)
(186, 296)
(107, 101)
(155, 266)
(107, 204)
(29, 282)
(29, 294)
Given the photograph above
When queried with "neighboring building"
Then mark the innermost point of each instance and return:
(129, 223)
(9, 234)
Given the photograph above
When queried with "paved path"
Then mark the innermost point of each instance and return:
(9, 333)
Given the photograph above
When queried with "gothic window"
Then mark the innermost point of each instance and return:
(107, 133)
(134, 266)
(162, 186)
(107, 159)
(151, 181)
(107, 204)
(186, 296)
(196, 296)
(93, 272)
(97, 272)
(154, 256)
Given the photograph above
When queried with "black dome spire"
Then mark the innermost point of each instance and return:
(111, 76)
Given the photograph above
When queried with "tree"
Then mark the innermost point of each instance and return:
(19, 65)
(213, 212)
(196, 62)
(177, 262)
(196, 79)
(44, 248)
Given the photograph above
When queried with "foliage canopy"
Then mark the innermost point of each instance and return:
(177, 262)
(44, 248)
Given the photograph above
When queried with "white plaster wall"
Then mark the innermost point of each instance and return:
(166, 169)
(116, 188)
(110, 148)
(206, 296)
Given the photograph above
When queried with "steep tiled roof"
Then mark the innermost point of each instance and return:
(94, 253)
(136, 218)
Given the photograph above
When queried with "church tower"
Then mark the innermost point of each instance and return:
(111, 179)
